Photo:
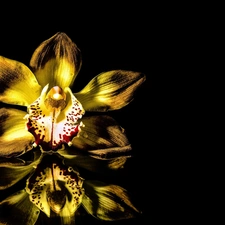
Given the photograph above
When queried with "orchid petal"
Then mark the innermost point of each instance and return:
(56, 61)
(101, 138)
(108, 202)
(93, 164)
(101, 132)
(17, 209)
(18, 84)
(13, 170)
(14, 138)
(110, 90)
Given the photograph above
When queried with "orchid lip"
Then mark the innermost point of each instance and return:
(54, 118)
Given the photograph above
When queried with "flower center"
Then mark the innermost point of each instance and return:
(53, 118)
(55, 99)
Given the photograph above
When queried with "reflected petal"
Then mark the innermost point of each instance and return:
(17, 209)
(18, 84)
(14, 138)
(108, 202)
(13, 170)
(110, 90)
(56, 61)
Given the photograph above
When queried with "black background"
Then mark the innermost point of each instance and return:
(109, 37)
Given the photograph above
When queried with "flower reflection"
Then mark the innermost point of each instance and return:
(53, 115)
(53, 186)
(58, 190)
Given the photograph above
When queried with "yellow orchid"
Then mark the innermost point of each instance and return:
(57, 190)
(40, 112)
(39, 109)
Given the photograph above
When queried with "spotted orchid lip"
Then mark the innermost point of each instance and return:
(53, 118)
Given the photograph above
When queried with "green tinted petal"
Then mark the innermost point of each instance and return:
(110, 90)
(56, 61)
(18, 84)
(108, 202)
(14, 138)
(17, 209)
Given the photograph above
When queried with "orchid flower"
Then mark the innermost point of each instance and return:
(39, 110)
(57, 191)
